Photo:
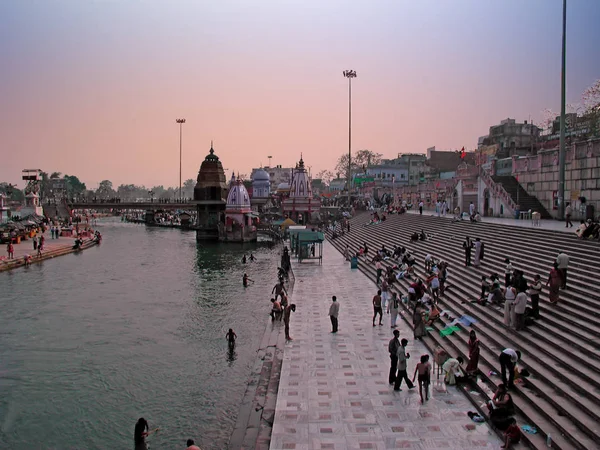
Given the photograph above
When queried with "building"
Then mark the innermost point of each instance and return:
(210, 197)
(4, 208)
(279, 176)
(261, 189)
(443, 164)
(240, 221)
(511, 138)
(300, 205)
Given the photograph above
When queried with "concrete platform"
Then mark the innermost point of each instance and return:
(334, 392)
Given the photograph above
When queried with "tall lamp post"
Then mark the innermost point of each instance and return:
(562, 151)
(180, 122)
(349, 74)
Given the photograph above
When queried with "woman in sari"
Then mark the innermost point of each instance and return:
(418, 322)
(478, 252)
(555, 282)
(473, 354)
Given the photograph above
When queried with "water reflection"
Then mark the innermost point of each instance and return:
(129, 329)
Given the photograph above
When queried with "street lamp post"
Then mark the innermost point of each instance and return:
(349, 74)
(562, 151)
(180, 122)
(269, 160)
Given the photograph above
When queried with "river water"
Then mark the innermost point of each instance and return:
(134, 328)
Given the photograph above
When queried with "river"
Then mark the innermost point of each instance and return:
(133, 328)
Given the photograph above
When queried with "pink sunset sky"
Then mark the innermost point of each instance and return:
(93, 88)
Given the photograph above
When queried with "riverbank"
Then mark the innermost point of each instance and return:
(254, 423)
(54, 248)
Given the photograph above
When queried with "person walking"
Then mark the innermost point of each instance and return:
(402, 365)
(468, 246)
(423, 368)
(519, 309)
(377, 308)
(421, 207)
(334, 310)
(10, 250)
(534, 293)
(568, 213)
(394, 308)
(471, 209)
(385, 295)
(474, 351)
(508, 271)
(379, 268)
(509, 301)
(286, 319)
(508, 358)
(393, 347)
(563, 263)
(554, 281)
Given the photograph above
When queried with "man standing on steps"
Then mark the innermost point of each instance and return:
(471, 209)
(385, 295)
(568, 213)
(377, 308)
(508, 358)
(402, 364)
(468, 245)
(334, 310)
(563, 263)
(421, 207)
(393, 347)
(286, 319)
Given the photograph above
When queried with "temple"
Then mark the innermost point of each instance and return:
(261, 189)
(240, 221)
(210, 197)
(300, 205)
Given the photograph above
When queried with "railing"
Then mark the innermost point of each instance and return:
(498, 190)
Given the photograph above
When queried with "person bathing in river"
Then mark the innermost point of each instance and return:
(231, 337)
(245, 280)
(140, 433)
(244, 260)
(279, 289)
(252, 258)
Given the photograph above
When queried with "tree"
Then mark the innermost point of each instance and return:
(591, 98)
(55, 175)
(17, 194)
(362, 158)
(74, 186)
(326, 176)
(188, 188)
(105, 190)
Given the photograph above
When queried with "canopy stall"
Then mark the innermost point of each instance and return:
(309, 245)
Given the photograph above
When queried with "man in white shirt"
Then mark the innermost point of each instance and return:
(508, 358)
(519, 310)
(563, 263)
(471, 209)
(334, 310)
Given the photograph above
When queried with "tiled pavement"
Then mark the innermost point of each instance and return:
(334, 393)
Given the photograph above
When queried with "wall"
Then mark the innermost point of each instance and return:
(582, 176)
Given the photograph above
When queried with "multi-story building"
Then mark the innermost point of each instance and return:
(511, 138)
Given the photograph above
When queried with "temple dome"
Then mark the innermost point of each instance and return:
(261, 175)
(300, 182)
(238, 197)
(211, 184)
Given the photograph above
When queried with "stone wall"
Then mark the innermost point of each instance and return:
(582, 177)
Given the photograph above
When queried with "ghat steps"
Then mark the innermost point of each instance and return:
(562, 350)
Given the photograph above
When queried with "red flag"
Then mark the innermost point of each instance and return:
(463, 153)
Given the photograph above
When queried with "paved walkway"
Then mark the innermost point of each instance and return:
(26, 247)
(545, 224)
(334, 393)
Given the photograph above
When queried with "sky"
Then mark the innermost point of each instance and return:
(93, 87)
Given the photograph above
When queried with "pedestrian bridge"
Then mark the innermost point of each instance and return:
(132, 205)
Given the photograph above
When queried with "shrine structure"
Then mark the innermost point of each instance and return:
(240, 221)
(300, 205)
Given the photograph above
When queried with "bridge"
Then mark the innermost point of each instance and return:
(133, 205)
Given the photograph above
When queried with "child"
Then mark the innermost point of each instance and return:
(512, 435)
(424, 370)
(231, 337)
